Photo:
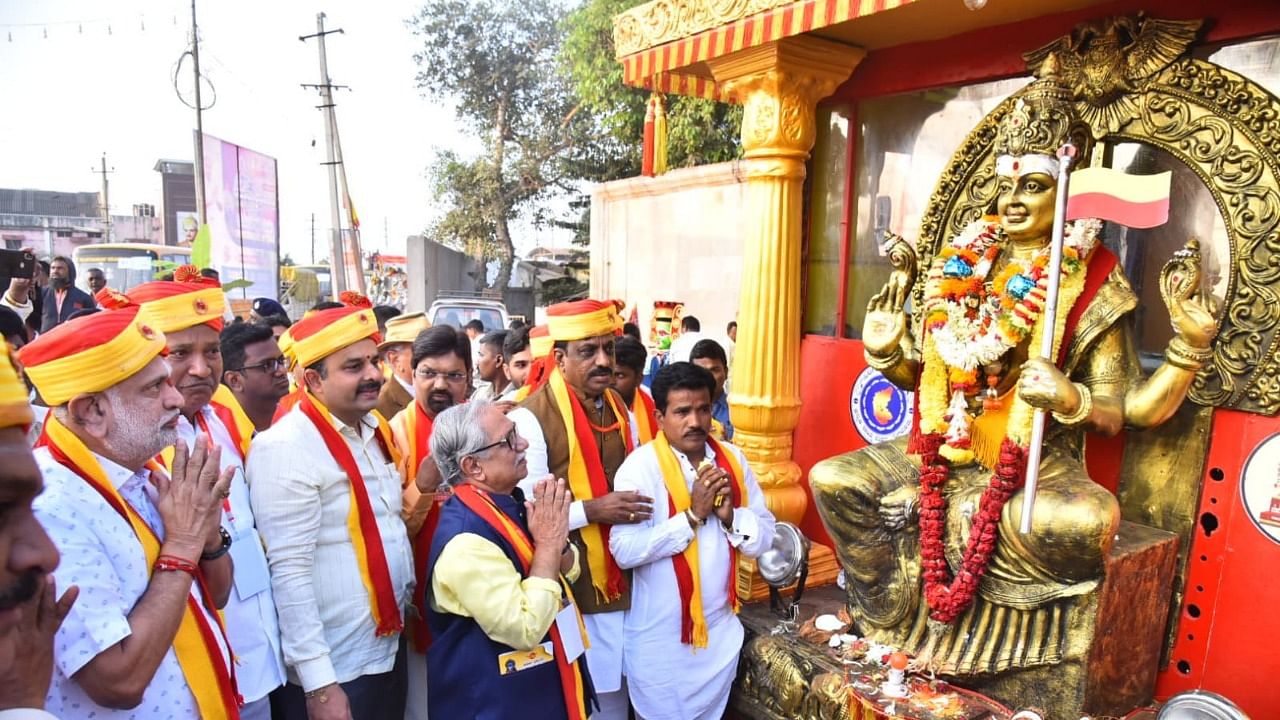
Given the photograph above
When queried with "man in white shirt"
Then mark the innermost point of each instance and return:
(326, 493)
(690, 334)
(189, 312)
(683, 634)
(30, 610)
(144, 638)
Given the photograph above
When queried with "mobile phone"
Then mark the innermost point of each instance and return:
(17, 264)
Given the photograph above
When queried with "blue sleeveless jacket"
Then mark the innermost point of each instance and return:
(465, 680)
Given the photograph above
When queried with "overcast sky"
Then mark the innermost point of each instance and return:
(102, 81)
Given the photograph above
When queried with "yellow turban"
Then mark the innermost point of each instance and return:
(320, 335)
(90, 354)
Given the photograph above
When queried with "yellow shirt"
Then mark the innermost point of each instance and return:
(473, 578)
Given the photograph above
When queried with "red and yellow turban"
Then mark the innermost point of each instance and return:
(14, 408)
(540, 342)
(90, 354)
(285, 341)
(583, 319)
(186, 301)
(321, 334)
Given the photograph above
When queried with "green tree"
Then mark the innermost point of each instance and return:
(497, 62)
(698, 131)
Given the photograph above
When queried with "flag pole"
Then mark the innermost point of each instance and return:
(1066, 154)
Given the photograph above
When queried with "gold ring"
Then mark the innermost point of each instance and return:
(631, 517)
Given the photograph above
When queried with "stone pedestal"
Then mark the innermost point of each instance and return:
(1123, 622)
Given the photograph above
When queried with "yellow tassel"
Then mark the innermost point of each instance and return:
(699, 634)
(989, 430)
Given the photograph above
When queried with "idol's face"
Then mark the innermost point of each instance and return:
(1026, 205)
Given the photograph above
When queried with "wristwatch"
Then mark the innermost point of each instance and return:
(222, 550)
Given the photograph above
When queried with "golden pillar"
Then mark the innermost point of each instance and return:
(779, 84)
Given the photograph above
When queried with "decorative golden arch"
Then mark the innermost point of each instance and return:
(1133, 82)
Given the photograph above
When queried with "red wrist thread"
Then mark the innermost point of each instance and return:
(176, 564)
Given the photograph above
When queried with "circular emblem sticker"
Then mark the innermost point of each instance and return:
(881, 410)
(1260, 487)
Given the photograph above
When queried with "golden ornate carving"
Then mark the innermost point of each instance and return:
(1109, 62)
(662, 21)
(1223, 126)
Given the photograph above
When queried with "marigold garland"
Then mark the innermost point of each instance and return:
(1000, 319)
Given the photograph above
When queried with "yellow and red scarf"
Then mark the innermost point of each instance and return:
(571, 682)
(418, 431)
(693, 623)
(287, 402)
(225, 405)
(361, 522)
(587, 480)
(210, 677)
(643, 408)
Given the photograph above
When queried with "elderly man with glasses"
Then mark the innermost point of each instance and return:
(439, 363)
(507, 635)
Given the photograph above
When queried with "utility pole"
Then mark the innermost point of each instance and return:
(336, 256)
(313, 238)
(199, 163)
(106, 205)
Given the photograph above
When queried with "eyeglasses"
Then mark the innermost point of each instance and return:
(509, 440)
(431, 375)
(266, 366)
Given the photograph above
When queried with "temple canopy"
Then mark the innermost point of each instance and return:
(665, 44)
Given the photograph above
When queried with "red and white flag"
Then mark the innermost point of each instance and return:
(1138, 201)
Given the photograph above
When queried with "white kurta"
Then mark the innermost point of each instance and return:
(301, 498)
(669, 680)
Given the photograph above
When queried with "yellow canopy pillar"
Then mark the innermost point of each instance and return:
(779, 85)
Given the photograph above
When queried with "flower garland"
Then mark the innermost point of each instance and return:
(988, 322)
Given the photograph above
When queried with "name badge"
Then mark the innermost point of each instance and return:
(517, 660)
(251, 574)
(571, 632)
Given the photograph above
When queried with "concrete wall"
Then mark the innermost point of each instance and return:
(433, 269)
(675, 237)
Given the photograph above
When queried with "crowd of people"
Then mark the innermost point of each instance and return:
(360, 515)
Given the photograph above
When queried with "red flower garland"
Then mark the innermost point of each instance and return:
(948, 597)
